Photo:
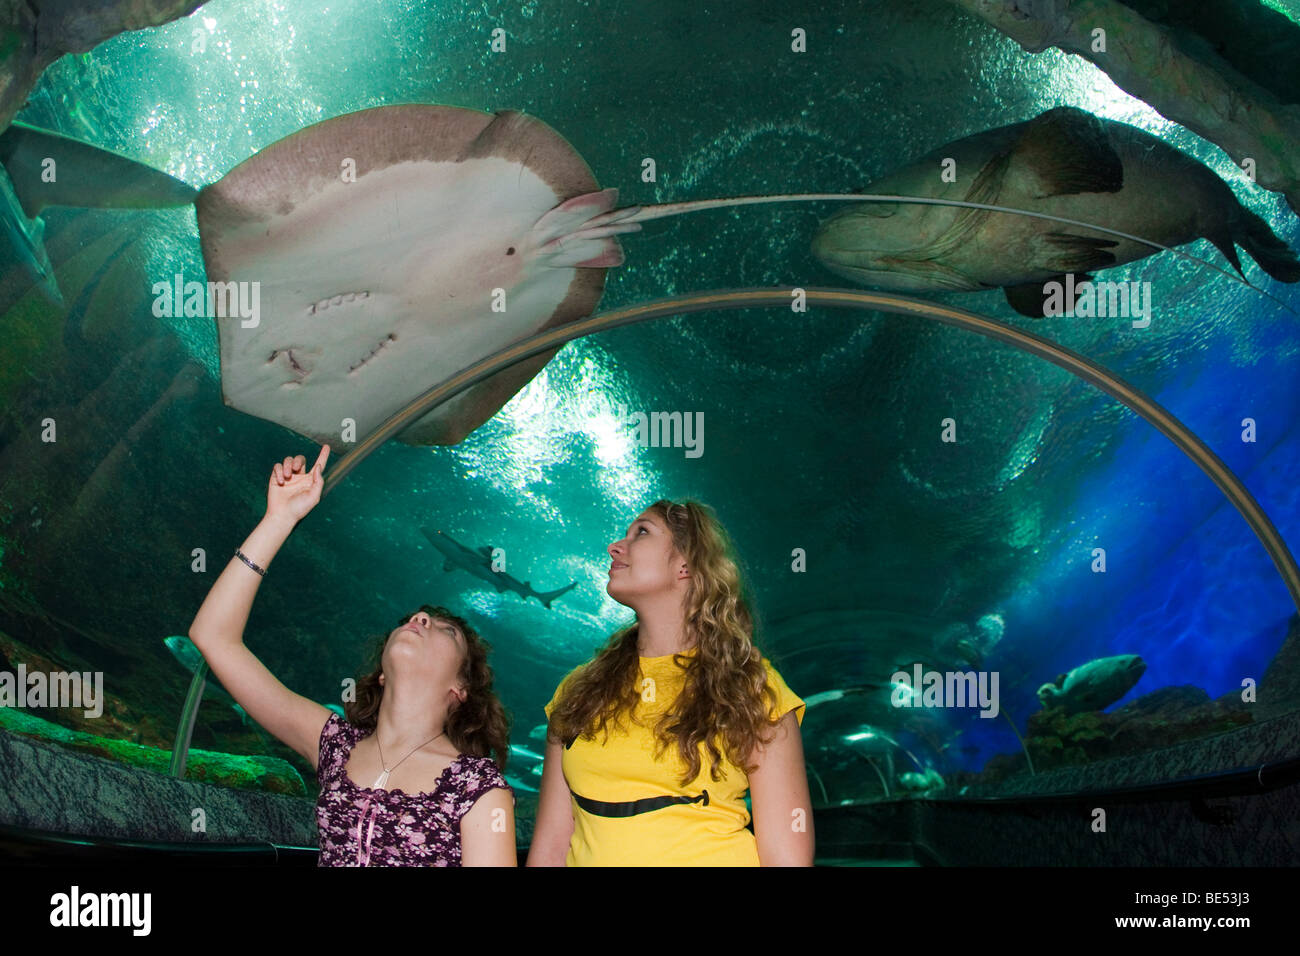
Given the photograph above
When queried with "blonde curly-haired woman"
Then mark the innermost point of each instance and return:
(653, 744)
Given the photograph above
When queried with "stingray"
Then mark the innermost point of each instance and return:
(395, 246)
(358, 261)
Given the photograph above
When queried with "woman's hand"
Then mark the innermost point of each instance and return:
(293, 491)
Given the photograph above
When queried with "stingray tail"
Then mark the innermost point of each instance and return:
(1254, 235)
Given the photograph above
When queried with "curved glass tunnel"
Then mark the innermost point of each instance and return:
(907, 498)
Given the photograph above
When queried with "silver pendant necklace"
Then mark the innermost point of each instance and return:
(382, 779)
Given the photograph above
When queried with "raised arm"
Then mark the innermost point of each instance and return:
(218, 628)
(554, 829)
(778, 790)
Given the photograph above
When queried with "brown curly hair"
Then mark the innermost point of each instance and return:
(722, 699)
(478, 726)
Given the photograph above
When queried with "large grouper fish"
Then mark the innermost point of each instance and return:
(1065, 163)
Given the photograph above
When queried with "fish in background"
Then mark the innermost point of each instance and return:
(1094, 685)
(479, 564)
(1065, 162)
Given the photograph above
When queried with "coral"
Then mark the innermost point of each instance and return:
(268, 774)
(137, 737)
(1163, 717)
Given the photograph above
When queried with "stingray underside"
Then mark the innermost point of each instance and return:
(382, 252)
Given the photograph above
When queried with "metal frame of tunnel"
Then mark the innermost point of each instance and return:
(783, 297)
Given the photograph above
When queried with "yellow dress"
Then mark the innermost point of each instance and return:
(623, 769)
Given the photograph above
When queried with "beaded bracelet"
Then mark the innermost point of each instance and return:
(240, 555)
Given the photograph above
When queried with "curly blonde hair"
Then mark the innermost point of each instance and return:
(722, 699)
(478, 725)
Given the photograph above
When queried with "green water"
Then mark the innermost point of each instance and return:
(822, 429)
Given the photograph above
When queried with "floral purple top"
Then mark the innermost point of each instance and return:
(364, 827)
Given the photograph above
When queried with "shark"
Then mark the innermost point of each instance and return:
(479, 564)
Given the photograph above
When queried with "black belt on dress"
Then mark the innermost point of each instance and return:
(633, 807)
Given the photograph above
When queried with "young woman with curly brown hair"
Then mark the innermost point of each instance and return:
(420, 733)
(689, 717)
